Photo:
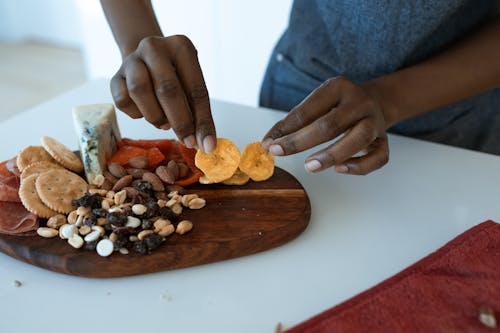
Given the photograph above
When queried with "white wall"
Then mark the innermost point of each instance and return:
(234, 40)
(53, 21)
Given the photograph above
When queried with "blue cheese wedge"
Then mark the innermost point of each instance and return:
(98, 134)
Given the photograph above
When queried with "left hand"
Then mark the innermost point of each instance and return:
(337, 107)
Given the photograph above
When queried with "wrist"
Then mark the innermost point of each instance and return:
(380, 92)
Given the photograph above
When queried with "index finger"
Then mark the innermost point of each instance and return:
(191, 77)
(317, 104)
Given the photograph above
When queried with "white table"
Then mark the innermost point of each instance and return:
(362, 230)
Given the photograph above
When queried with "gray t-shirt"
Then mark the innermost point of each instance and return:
(365, 39)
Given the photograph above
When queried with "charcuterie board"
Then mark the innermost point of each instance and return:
(237, 221)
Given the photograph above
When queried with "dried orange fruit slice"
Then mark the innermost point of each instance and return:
(256, 162)
(238, 178)
(220, 164)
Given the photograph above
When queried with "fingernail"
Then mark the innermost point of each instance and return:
(165, 127)
(209, 143)
(341, 168)
(267, 143)
(276, 150)
(313, 165)
(190, 141)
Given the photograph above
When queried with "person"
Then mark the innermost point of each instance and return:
(348, 72)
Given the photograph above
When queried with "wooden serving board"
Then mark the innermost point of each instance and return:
(237, 221)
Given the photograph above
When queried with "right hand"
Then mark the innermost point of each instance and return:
(162, 82)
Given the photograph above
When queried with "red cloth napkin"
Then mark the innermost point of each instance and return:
(443, 292)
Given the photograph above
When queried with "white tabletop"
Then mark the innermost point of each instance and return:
(363, 229)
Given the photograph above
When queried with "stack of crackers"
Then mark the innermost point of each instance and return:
(49, 178)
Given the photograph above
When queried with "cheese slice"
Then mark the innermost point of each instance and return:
(98, 134)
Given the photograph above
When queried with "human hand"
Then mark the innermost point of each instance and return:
(337, 107)
(162, 81)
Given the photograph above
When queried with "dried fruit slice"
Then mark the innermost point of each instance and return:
(256, 162)
(238, 178)
(220, 164)
(205, 180)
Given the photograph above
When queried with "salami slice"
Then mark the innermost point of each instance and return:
(9, 183)
(16, 220)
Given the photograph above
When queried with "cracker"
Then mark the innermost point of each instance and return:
(31, 200)
(38, 168)
(30, 155)
(62, 154)
(57, 188)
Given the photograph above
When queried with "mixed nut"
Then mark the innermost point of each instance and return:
(127, 209)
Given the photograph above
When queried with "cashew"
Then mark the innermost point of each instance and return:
(160, 224)
(82, 211)
(166, 230)
(144, 233)
(98, 180)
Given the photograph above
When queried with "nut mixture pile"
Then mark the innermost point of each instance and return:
(126, 209)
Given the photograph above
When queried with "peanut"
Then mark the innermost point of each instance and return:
(101, 230)
(166, 230)
(98, 180)
(110, 194)
(183, 227)
(56, 221)
(133, 222)
(139, 209)
(120, 197)
(84, 230)
(160, 224)
(197, 203)
(161, 203)
(99, 191)
(105, 204)
(177, 209)
(47, 232)
(76, 241)
(186, 199)
(113, 237)
(82, 211)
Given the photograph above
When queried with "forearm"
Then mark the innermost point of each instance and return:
(130, 21)
(469, 67)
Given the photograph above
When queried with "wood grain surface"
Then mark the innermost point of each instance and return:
(237, 221)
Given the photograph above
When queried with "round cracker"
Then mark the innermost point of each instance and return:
(39, 168)
(57, 188)
(220, 164)
(31, 200)
(238, 178)
(62, 154)
(256, 162)
(30, 155)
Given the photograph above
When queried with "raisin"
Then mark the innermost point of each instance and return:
(124, 231)
(121, 241)
(152, 241)
(140, 247)
(117, 219)
(88, 200)
(91, 246)
(99, 212)
(168, 214)
(147, 224)
(145, 187)
(90, 220)
(153, 210)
